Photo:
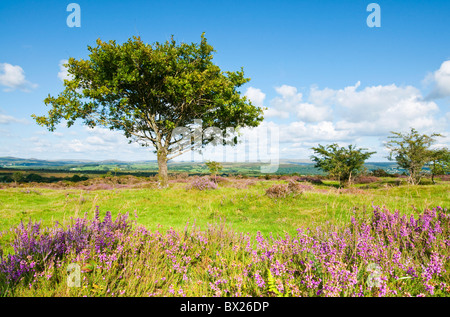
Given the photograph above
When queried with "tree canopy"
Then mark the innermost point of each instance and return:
(344, 163)
(412, 152)
(214, 168)
(147, 91)
(439, 163)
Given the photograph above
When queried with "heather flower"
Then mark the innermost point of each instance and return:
(201, 183)
(327, 261)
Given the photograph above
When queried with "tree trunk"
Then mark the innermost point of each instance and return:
(163, 175)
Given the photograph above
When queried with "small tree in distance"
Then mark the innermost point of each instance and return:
(412, 152)
(17, 177)
(440, 162)
(214, 167)
(344, 163)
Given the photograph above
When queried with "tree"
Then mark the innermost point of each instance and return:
(440, 162)
(214, 167)
(17, 177)
(412, 152)
(344, 163)
(149, 91)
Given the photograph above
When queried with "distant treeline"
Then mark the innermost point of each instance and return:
(36, 178)
(30, 176)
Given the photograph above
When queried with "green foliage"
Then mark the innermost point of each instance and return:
(18, 177)
(340, 162)
(272, 287)
(214, 167)
(440, 162)
(147, 91)
(412, 152)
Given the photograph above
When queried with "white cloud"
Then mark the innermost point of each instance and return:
(304, 132)
(63, 74)
(5, 119)
(376, 110)
(290, 103)
(256, 96)
(101, 140)
(13, 77)
(272, 112)
(441, 82)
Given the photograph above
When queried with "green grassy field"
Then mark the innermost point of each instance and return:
(245, 209)
(205, 260)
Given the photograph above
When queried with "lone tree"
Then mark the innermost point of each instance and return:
(412, 152)
(344, 163)
(214, 167)
(440, 162)
(18, 177)
(148, 91)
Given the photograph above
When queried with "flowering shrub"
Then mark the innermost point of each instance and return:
(283, 190)
(201, 183)
(310, 179)
(381, 254)
(366, 179)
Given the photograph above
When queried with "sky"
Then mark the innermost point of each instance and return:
(323, 73)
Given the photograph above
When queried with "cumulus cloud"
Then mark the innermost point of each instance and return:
(376, 110)
(350, 115)
(256, 96)
(63, 74)
(440, 80)
(13, 77)
(103, 140)
(290, 103)
(300, 131)
(272, 112)
(5, 119)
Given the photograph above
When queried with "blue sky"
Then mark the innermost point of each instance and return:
(323, 74)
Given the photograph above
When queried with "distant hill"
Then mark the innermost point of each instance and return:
(286, 166)
(10, 161)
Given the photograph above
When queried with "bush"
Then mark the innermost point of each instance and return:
(310, 179)
(201, 183)
(78, 178)
(283, 190)
(380, 173)
(221, 179)
(366, 179)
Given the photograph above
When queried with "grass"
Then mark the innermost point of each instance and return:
(383, 255)
(246, 210)
(226, 264)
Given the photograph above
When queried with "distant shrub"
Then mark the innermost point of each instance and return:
(78, 178)
(283, 190)
(305, 187)
(201, 183)
(310, 179)
(221, 179)
(445, 178)
(366, 179)
(6, 179)
(182, 175)
(242, 183)
(379, 172)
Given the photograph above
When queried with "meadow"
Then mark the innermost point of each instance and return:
(235, 237)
